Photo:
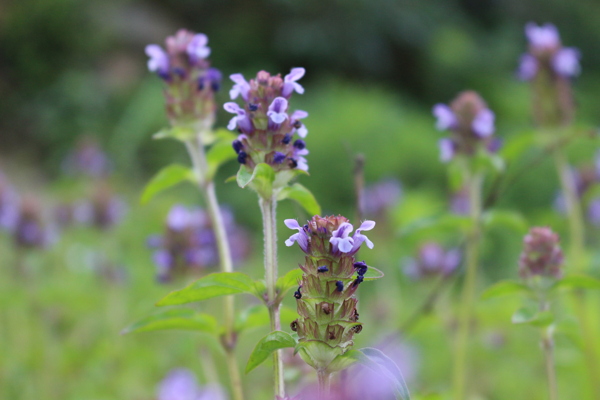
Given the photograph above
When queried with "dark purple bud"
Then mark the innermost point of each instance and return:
(297, 293)
(361, 268)
(252, 107)
(237, 146)
(339, 285)
(297, 124)
(293, 163)
(242, 157)
(358, 280)
(287, 138)
(322, 268)
(299, 144)
(179, 71)
(278, 158)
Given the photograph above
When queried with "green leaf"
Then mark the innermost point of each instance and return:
(181, 133)
(344, 361)
(372, 274)
(252, 317)
(377, 361)
(518, 145)
(527, 316)
(267, 345)
(185, 319)
(260, 180)
(165, 178)
(577, 282)
(288, 281)
(302, 196)
(506, 219)
(213, 285)
(217, 155)
(504, 288)
(487, 162)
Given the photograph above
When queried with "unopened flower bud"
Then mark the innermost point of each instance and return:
(542, 255)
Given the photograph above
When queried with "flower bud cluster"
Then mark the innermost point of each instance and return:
(326, 299)
(550, 67)
(189, 243)
(267, 128)
(542, 255)
(471, 126)
(190, 81)
(432, 260)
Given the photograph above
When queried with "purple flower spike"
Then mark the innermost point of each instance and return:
(289, 82)
(528, 67)
(447, 149)
(544, 37)
(445, 117)
(241, 87)
(566, 62)
(159, 60)
(278, 110)
(359, 238)
(483, 123)
(300, 237)
(197, 49)
(241, 120)
(340, 239)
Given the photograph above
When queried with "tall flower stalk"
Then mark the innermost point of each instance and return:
(471, 126)
(269, 158)
(190, 85)
(550, 67)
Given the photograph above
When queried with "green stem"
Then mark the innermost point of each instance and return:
(548, 348)
(577, 260)
(324, 384)
(268, 208)
(196, 151)
(468, 292)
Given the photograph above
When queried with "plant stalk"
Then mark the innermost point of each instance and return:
(474, 182)
(196, 151)
(268, 208)
(324, 384)
(548, 348)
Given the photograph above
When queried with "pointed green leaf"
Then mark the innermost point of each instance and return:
(217, 155)
(267, 345)
(504, 288)
(260, 179)
(344, 361)
(288, 281)
(185, 319)
(373, 273)
(213, 285)
(536, 318)
(181, 133)
(577, 282)
(302, 196)
(165, 178)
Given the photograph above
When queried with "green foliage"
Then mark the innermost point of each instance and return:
(529, 316)
(183, 319)
(504, 288)
(214, 285)
(372, 274)
(288, 281)
(219, 153)
(442, 222)
(181, 133)
(165, 178)
(302, 196)
(267, 345)
(577, 282)
(260, 180)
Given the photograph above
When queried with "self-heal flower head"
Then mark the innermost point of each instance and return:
(159, 60)
(290, 83)
(542, 255)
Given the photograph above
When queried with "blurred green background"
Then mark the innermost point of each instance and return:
(374, 69)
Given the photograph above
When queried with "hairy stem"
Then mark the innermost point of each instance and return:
(268, 209)
(474, 183)
(196, 151)
(324, 384)
(577, 260)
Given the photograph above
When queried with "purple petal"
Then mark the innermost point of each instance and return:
(277, 110)
(292, 224)
(232, 123)
(180, 384)
(566, 62)
(343, 244)
(528, 67)
(197, 49)
(542, 37)
(295, 74)
(447, 149)
(483, 123)
(366, 226)
(159, 60)
(232, 107)
(178, 218)
(343, 230)
(445, 117)
(299, 114)
(302, 131)
(292, 239)
(241, 87)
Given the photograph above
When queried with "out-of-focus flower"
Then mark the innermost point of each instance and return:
(87, 159)
(265, 123)
(585, 178)
(433, 260)
(471, 126)
(30, 230)
(542, 255)
(9, 205)
(325, 298)
(189, 244)
(459, 202)
(181, 384)
(381, 196)
(190, 82)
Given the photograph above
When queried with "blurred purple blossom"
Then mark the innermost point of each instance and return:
(88, 159)
(381, 196)
(433, 260)
(181, 384)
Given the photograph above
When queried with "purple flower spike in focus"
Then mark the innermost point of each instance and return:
(159, 60)
(445, 117)
(241, 87)
(289, 82)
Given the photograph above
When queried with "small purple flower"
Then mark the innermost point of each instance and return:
(447, 149)
(301, 237)
(180, 384)
(299, 127)
(528, 67)
(241, 119)
(278, 110)
(241, 87)
(544, 37)
(446, 118)
(359, 238)
(340, 239)
(566, 62)
(494, 145)
(433, 260)
(289, 82)
(197, 49)
(483, 123)
(159, 60)
(178, 218)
